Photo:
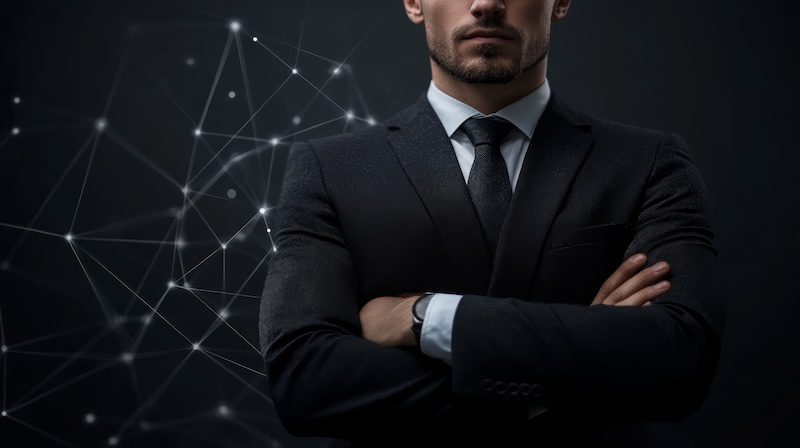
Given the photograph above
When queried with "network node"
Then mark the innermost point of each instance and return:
(127, 357)
(231, 193)
(17, 100)
(336, 71)
(223, 411)
(231, 94)
(196, 346)
(349, 115)
(274, 141)
(269, 230)
(170, 284)
(119, 320)
(274, 249)
(224, 246)
(4, 348)
(4, 413)
(224, 313)
(89, 418)
(101, 124)
(296, 120)
(235, 26)
(190, 62)
(197, 132)
(147, 319)
(371, 121)
(186, 285)
(262, 210)
(180, 243)
(255, 39)
(15, 131)
(113, 440)
(294, 71)
(68, 237)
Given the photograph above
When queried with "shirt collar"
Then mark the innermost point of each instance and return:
(524, 113)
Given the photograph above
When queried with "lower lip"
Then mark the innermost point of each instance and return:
(488, 40)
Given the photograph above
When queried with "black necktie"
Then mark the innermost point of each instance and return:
(488, 184)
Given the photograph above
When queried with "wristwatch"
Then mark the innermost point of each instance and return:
(418, 313)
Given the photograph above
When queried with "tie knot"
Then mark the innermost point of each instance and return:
(490, 130)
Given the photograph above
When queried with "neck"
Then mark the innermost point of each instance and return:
(489, 98)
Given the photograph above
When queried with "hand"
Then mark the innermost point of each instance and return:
(386, 320)
(627, 287)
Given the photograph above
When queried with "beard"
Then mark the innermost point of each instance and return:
(491, 69)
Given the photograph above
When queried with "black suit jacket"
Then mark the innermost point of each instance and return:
(385, 211)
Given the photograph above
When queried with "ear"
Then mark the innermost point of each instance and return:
(414, 11)
(560, 9)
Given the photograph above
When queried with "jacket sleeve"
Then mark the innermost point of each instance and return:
(649, 363)
(325, 379)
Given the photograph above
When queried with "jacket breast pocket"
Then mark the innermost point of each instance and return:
(588, 235)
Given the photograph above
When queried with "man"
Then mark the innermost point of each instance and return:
(518, 219)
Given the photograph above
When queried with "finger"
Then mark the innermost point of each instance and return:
(627, 269)
(642, 279)
(643, 296)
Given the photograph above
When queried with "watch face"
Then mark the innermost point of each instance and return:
(421, 305)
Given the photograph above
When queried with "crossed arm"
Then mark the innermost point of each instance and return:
(327, 379)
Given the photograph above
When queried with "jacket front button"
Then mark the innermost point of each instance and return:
(500, 386)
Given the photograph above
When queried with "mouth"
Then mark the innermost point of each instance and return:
(488, 35)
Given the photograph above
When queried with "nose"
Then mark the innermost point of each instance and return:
(488, 9)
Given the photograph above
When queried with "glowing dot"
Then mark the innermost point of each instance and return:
(262, 210)
(269, 230)
(180, 243)
(274, 141)
(170, 284)
(223, 410)
(185, 190)
(294, 71)
(336, 70)
(147, 319)
(4, 348)
(224, 246)
(231, 193)
(274, 249)
(113, 440)
(127, 357)
(235, 26)
(68, 237)
(15, 131)
(186, 285)
(349, 115)
(17, 100)
(4, 413)
(224, 313)
(231, 94)
(197, 132)
(371, 121)
(196, 346)
(255, 39)
(101, 124)
(89, 418)
(190, 61)
(296, 120)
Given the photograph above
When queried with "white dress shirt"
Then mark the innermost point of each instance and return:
(437, 326)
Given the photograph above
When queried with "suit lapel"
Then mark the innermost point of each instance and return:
(424, 150)
(560, 143)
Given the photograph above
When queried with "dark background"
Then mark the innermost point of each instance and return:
(721, 74)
